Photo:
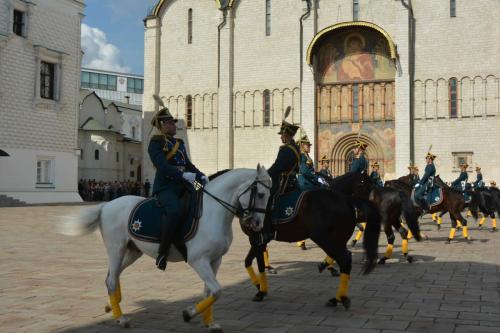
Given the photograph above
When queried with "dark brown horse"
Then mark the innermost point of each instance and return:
(453, 202)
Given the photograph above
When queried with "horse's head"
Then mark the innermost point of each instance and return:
(362, 185)
(253, 198)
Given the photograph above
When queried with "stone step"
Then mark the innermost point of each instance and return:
(6, 201)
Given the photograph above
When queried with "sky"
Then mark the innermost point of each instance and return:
(113, 34)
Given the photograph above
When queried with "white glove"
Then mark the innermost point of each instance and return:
(189, 176)
(417, 185)
(205, 180)
(322, 181)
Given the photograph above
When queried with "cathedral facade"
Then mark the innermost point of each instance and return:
(405, 76)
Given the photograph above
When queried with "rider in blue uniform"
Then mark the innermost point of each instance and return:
(479, 183)
(325, 168)
(426, 182)
(359, 164)
(307, 177)
(414, 177)
(175, 175)
(375, 176)
(460, 182)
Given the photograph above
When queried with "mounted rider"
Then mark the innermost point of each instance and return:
(461, 181)
(307, 177)
(325, 167)
(426, 183)
(359, 164)
(479, 183)
(174, 178)
(375, 176)
(414, 177)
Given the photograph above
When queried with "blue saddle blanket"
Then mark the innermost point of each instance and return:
(467, 197)
(286, 206)
(145, 222)
(434, 197)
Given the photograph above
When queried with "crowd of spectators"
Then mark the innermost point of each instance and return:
(92, 190)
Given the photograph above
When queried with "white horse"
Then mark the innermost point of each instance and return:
(241, 192)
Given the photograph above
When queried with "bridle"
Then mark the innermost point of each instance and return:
(239, 211)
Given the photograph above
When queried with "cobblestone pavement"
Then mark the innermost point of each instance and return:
(50, 282)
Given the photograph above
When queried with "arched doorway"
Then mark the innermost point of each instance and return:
(354, 70)
(342, 153)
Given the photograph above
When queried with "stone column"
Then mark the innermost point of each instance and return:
(225, 131)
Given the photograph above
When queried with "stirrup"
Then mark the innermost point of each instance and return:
(161, 262)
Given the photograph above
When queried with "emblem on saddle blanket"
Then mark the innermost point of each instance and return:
(434, 197)
(145, 223)
(286, 206)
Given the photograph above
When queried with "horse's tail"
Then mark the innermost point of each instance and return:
(372, 231)
(85, 222)
(475, 203)
(411, 216)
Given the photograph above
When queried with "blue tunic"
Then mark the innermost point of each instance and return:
(429, 173)
(307, 176)
(375, 177)
(284, 169)
(479, 183)
(457, 183)
(359, 165)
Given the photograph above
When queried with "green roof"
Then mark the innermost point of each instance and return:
(94, 125)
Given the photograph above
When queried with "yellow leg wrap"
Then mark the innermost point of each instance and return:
(434, 217)
(481, 221)
(203, 305)
(299, 244)
(266, 258)
(469, 213)
(115, 305)
(404, 246)
(494, 223)
(208, 316)
(343, 286)
(388, 251)
(263, 282)
(253, 276)
(459, 225)
(119, 292)
(440, 220)
(465, 232)
(452, 233)
(410, 235)
(329, 261)
(358, 235)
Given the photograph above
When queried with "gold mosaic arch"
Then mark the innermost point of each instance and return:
(346, 143)
(392, 46)
(160, 4)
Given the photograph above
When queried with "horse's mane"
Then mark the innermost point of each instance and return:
(445, 186)
(217, 174)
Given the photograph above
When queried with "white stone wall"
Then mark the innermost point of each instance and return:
(31, 124)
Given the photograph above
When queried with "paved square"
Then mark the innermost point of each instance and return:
(50, 282)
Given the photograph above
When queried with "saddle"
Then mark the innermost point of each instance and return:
(286, 206)
(433, 197)
(145, 221)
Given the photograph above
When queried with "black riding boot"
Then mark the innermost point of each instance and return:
(166, 239)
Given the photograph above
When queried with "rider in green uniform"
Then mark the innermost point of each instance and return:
(307, 177)
(426, 182)
(359, 164)
(460, 182)
(479, 183)
(375, 176)
(325, 167)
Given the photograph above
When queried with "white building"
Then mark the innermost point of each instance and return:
(401, 77)
(109, 136)
(40, 61)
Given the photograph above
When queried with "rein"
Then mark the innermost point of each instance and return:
(239, 211)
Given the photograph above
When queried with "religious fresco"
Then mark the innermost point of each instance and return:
(333, 139)
(354, 55)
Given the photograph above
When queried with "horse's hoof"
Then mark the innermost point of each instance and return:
(448, 241)
(107, 308)
(271, 270)
(214, 328)
(480, 227)
(123, 322)
(334, 272)
(409, 259)
(438, 227)
(346, 302)
(258, 287)
(493, 229)
(321, 266)
(332, 302)
(353, 243)
(259, 297)
(469, 239)
(188, 314)
(382, 261)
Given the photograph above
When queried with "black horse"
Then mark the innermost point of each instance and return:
(391, 203)
(487, 200)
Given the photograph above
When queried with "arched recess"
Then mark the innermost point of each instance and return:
(340, 154)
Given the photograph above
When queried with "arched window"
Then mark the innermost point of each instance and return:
(355, 10)
(453, 8)
(452, 88)
(190, 26)
(189, 111)
(355, 103)
(133, 132)
(268, 17)
(266, 107)
(96, 154)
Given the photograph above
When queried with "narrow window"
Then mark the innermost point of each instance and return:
(94, 80)
(18, 24)
(131, 161)
(133, 132)
(355, 103)
(103, 81)
(81, 154)
(189, 111)
(111, 82)
(96, 154)
(85, 80)
(355, 10)
(47, 80)
(453, 8)
(268, 17)
(190, 26)
(266, 101)
(453, 97)
(44, 171)
(117, 157)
